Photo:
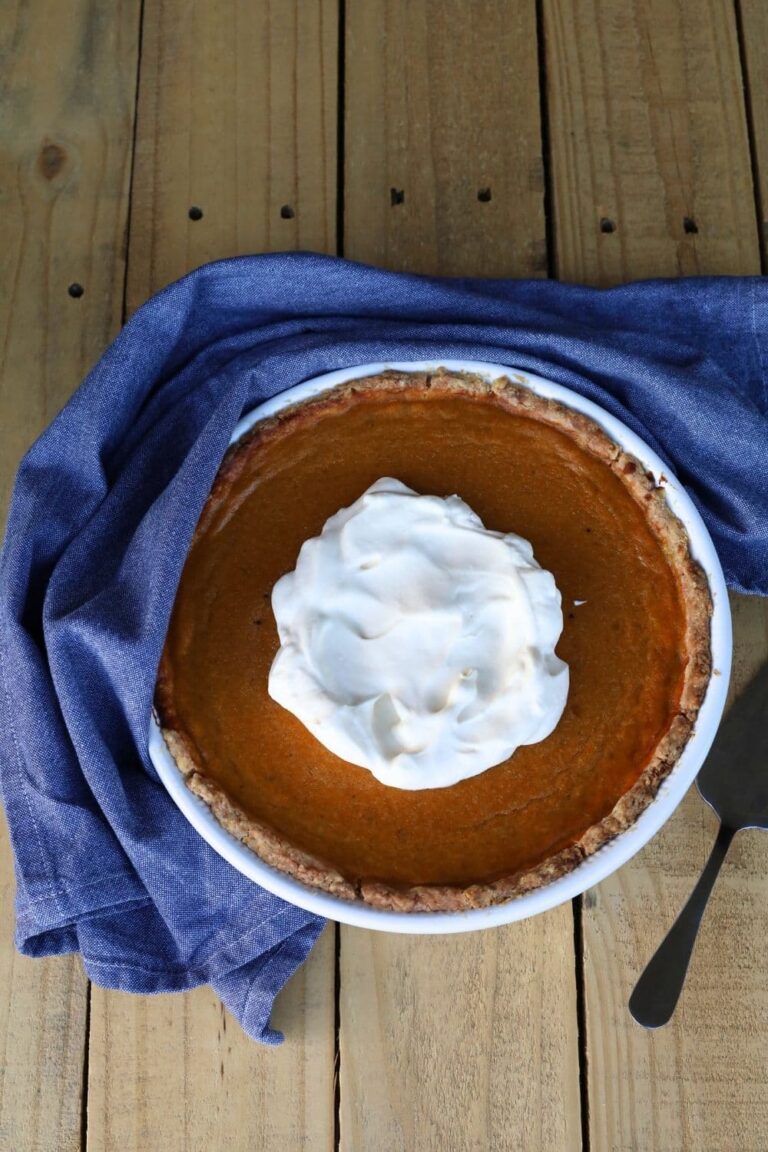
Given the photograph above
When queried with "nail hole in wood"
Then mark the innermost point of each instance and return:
(75, 291)
(195, 213)
(690, 226)
(607, 225)
(484, 195)
(286, 212)
(396, 196)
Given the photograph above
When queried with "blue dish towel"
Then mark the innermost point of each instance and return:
(106, 501)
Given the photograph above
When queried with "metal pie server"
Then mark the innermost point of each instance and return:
(734, 782)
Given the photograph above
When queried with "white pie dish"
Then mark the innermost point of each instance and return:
(610, 857)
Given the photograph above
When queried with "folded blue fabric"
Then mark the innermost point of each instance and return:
(106, 501)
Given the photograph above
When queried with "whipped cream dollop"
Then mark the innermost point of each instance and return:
(415, 642)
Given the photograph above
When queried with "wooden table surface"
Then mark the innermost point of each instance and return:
(592, 140)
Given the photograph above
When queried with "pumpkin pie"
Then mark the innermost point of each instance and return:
(636, 609)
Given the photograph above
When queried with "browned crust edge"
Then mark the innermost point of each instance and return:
(279, 853)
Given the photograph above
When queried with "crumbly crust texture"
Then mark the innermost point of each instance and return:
(513, 395)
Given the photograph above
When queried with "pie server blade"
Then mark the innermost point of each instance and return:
(734, 782)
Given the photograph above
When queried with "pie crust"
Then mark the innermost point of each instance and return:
(277, 851)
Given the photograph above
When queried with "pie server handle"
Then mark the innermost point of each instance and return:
(658, 989)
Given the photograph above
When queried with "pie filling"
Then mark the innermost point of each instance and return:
(635, 639)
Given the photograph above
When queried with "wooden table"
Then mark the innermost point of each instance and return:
(594, 140)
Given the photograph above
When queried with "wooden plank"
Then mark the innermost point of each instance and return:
(648, 131)
(175, 1072)
(42, 1038)
(65, 151)
(65, 147)
(236, 116)
(442, 110)
(647, 125)
(450, 1043)
(754, 29)
(458, 1042)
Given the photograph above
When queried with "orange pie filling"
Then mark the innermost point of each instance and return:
(636, 646)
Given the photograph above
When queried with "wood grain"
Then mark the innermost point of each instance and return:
(647, 125)
(176, 1072)
(462, 1042)
(65, 148)
(458, 1043)
(42, 1038)
(754, 29)
(648, 131)
(237, 118)
(441, 109)
(65, 153)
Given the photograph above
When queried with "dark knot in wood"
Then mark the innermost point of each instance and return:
(51, 161)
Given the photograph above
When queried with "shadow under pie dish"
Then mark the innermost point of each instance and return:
(639, 638)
